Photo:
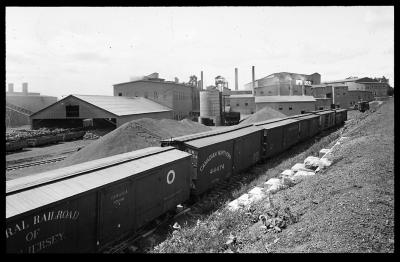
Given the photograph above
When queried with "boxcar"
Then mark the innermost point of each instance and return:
(327, 119)
(279, 135)
(88, 206)
(309, 126)
(340, 116)
(217, 154)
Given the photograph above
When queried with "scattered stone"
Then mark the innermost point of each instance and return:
(300, 166)
(312, 162)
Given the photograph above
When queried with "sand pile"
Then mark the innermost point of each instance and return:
(134, 135)
(264, 114)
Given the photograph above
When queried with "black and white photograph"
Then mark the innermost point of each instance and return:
(199, 129)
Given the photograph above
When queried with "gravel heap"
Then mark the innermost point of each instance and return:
(264, 114)
(134, 135)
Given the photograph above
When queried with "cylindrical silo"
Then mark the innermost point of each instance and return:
(210, 105)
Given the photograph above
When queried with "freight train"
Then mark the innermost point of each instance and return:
(88, 206)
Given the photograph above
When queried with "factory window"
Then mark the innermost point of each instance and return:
(303, 111)
(290, 108)
(262, 92)
(269, 92)
(280, 108)
(155, 95)
(72, 111)
(119, 94)
(246, 104)
(237, 104)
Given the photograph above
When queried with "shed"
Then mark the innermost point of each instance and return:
(106, 111)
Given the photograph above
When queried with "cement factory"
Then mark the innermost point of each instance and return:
(215, 105)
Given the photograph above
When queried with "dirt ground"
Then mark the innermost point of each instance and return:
(347, 208)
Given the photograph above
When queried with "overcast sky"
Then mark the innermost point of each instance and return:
(85, 50)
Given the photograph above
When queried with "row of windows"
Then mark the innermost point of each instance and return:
(281, 108)
(237, 104)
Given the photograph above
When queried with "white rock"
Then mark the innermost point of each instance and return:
(288, 181)
(273, 185)
(300, 175)
(312, 162)
(256, 194)
(233, 205)
(244, 200)
(286, 173)
(300, 166)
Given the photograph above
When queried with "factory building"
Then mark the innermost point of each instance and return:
(337, 93)
(288, 105)
(378, 89)
(19, 105)
(323, 103)
(242, 103)
(103, 111)
(283, 84)
(183, 99)
(354, 96)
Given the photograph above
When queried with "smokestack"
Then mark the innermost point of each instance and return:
(25, 88)
(253, 78)
(291, 88)
(333, 94)
(302, 90)
(11, 88)
(202, 82)
(236, 79)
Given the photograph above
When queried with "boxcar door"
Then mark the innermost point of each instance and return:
(148, 199)
(116, 212)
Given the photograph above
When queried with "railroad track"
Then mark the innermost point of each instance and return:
(36, 163)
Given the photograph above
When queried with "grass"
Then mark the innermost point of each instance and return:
(211, 231)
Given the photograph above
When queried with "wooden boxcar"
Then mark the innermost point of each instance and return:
(327, 119)
(340, 116)
(279, 135)
(218, 154)
(309, 126)
(85, 207)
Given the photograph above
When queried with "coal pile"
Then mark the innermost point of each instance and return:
(132, 136)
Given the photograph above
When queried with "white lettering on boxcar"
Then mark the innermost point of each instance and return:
(213, 155)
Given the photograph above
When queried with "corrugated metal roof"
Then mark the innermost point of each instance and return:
(278, 123)
(206, 141)
(46, 194)
(121, 105)
(65, 172)
(283, 99)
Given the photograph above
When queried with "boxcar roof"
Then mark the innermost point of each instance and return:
(33, 198)
(207, 133)
(307, 116)
(279, 123)
(209, 140)
(78, 169)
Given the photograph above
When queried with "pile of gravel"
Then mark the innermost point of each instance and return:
(134, 135)
(262, 115)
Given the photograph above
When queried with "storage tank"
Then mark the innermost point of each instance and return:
(210, 105)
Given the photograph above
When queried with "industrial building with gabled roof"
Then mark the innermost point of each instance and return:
(105, 111)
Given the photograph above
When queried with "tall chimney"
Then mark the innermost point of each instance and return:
(253, 78)
(11, 88)
(25, 88)
(290, 88)
(236, 79)
(202, 82)
(333, 94)
(302, 89)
